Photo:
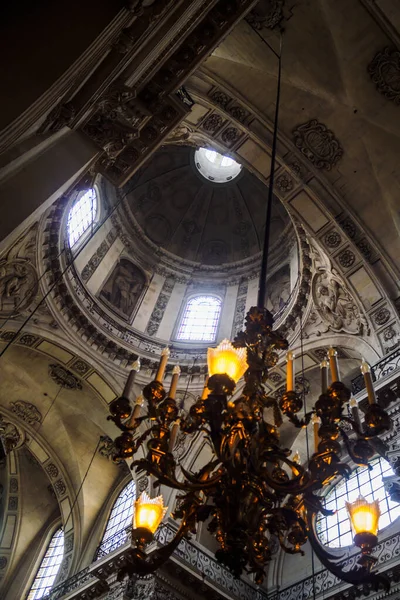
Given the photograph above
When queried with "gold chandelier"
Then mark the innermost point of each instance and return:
(252, 490)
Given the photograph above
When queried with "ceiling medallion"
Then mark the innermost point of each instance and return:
(253, 490)
(318, 144)
(385, 73)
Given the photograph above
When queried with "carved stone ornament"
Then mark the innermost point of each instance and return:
(382, 316)
(318, 144)
(332, 239)
(18, 286)
(346, 258)
(212, 123)
(26, 412)
(385, 73)
(335, 305)
(284, 183)
(268, 14)
(64, 378)
(11, 437)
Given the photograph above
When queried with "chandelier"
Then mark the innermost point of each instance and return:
(252, 491)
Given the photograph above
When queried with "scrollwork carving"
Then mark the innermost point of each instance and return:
(385, 73)
(318, 144)
(26, 411)
(11, 436)
(335, 305)
(64, 378)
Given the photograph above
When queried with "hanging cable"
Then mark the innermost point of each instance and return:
(307, 437)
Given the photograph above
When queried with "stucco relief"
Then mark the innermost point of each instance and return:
(335, 305)
(18, 286)
(124, 287)
(10, 436)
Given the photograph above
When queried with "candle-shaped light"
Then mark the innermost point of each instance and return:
(355, 413)
(163, 363)
(324, 375)
(316, 421)
(128, 389)
(290, 383)
(333, 362)
(296, 458)
(174, 381)
(366, 371)
(206, 391)
(138, 407)
(173, 435)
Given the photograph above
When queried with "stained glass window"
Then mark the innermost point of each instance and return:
(81, 216)
(200, 319)
(49, 567)
(335, 531)
(120, 518)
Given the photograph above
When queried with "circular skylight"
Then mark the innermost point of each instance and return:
(215, 166)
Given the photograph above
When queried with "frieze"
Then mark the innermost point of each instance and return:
(318, 144)
(385, 73)
(52, 471)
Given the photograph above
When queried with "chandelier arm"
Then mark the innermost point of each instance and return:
(139, 563)
(357, 576)
(185, 486)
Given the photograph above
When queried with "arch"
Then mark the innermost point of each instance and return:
(199, 319)
(49, 566)
(118, 520)
(82, 215)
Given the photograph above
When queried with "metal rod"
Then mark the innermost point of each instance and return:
(262, 288)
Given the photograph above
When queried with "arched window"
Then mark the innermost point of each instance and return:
(120, 518)
(81, 216)
(49, 567)
(200, 319)
(335, 530)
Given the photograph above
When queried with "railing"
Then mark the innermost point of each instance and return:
(112, 543)
(381, 369)
(187, 553)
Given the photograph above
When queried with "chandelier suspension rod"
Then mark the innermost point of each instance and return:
(262, 287)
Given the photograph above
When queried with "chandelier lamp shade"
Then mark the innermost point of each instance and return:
(252, 491)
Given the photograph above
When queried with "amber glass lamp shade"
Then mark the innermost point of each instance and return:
(364, 516)
(149, 512)
(227, 360)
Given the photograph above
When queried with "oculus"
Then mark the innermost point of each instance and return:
(216, 167)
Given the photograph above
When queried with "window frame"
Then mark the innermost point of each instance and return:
(339, 549)
(188, 298)
(111, 507)
(44, 547)
(92, 227)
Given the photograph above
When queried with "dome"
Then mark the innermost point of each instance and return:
(197, 216)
